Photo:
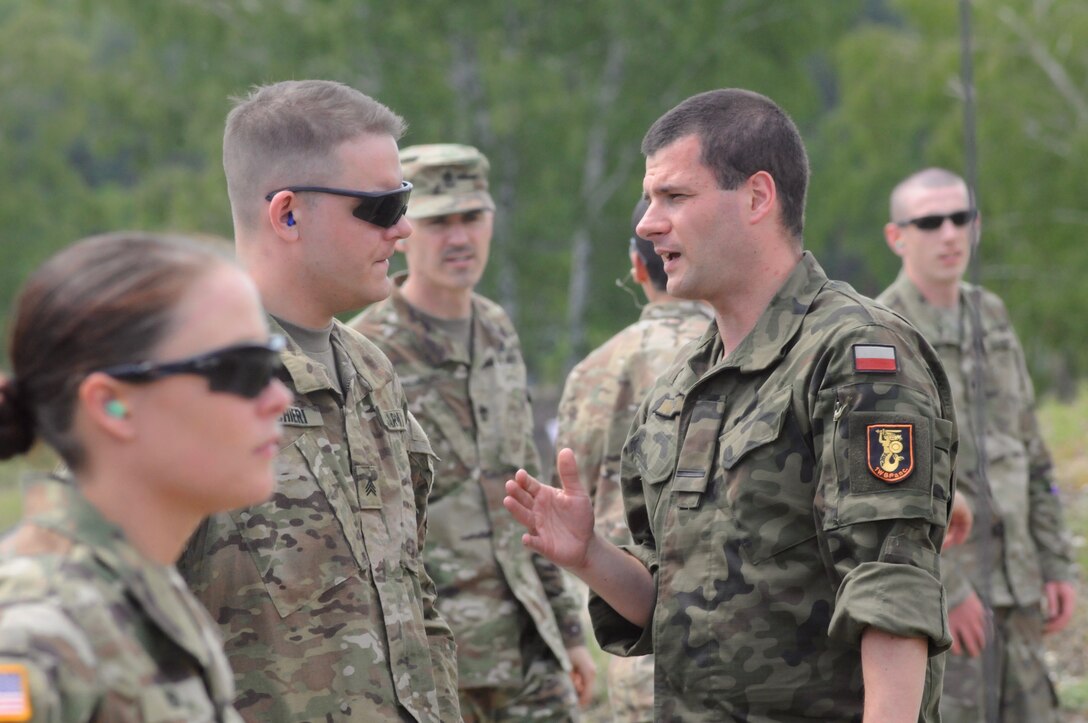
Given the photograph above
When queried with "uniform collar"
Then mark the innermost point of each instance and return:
(54, 503)
(768, 340)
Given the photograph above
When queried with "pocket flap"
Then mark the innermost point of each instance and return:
(760, 426)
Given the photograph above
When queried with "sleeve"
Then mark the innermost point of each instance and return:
(885, 442)
(47, 670)
(439, 635)
(1045, 520)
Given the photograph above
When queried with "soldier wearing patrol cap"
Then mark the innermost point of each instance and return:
(787, 480)
(515, 620)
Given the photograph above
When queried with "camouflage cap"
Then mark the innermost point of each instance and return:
(446, 178)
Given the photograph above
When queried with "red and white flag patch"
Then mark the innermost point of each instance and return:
(875, 358)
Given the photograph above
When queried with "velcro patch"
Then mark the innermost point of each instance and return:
(301, 417)
(890, 451)
(393, 419)
(875, 358)
(14, 693)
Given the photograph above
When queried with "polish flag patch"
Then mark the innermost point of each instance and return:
(875, 358)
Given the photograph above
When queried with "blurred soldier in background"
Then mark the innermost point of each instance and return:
(1020, 563)
(515, 619)
(599, 402)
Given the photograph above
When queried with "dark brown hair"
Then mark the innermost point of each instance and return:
(104, 300)
(740, 134)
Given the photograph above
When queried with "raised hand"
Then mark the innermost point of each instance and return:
(559, 521)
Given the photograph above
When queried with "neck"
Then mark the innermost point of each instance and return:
(440, 303)
(162, 527)
(283, 295)
(941, 295)
(737, 312)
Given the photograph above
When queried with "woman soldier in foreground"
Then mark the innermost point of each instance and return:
(146, 363)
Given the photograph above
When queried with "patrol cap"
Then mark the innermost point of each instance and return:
(446, 178)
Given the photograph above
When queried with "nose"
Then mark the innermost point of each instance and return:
(652, 223)
(401, 229)
(275, 398)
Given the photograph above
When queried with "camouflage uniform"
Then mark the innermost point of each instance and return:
(509, 609)
(1025, 544)
(96, 631)
(325, 607)
(599, 401)
(776, 531)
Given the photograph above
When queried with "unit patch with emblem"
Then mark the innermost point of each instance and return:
(890, 451)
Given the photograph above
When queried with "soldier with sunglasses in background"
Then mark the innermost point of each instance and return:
(1019, 565)
(321, 595)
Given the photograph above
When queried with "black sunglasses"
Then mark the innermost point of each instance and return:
(381, 208)
(244, 369)
(934, 222)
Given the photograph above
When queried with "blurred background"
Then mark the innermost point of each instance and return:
(111, 116)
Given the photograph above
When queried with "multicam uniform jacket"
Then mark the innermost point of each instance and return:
(320, 592)
(91, 630)
(599, 402)
(1026, 542)
(477, 415)
(785, 499)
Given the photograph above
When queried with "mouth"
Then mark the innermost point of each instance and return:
(459, 257)
(271, 446)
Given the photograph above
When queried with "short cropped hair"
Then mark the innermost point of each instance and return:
(741, 133)
(287, 134)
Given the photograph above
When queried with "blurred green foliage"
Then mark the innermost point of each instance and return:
(111, 117)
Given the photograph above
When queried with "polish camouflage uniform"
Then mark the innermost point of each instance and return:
(324, 604)
(510, 610)
(762, 495)
(599, 402)
(91, 630)
(1025, 545)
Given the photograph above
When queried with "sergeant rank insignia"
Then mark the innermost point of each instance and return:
(890, 451)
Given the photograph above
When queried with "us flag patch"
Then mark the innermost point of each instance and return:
(875, 358)
(14, 693)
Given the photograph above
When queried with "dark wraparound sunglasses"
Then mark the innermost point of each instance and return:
(381, 208)
(934, 222)
(244, 369)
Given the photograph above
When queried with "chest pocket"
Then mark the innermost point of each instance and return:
(300, 540)
(769, 487)
(654, 443)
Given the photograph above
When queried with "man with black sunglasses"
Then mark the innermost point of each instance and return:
(325, 608)
(515, 620)
(1009, 584)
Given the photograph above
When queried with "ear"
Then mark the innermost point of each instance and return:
(96, 395)
(894, 236)
(762, 195)
(283, 214)
(638, 269)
